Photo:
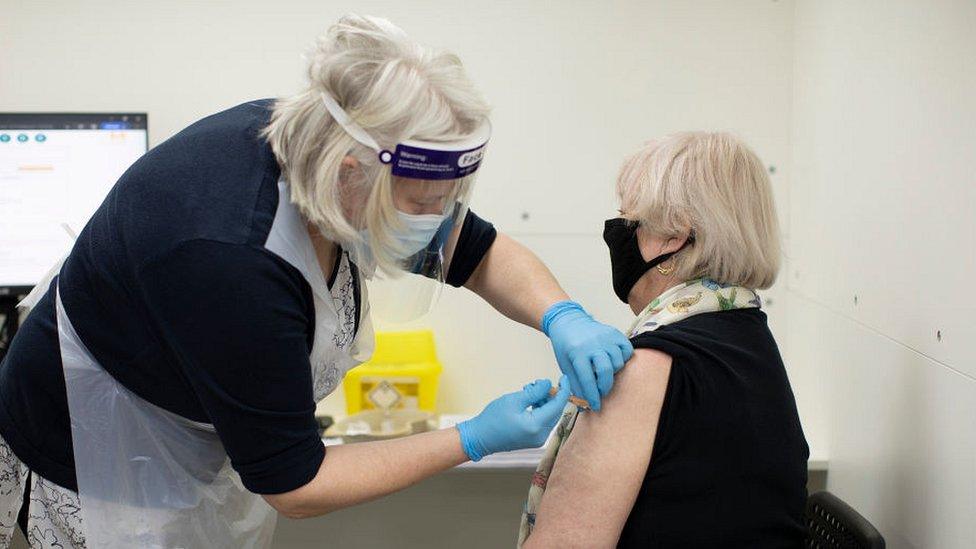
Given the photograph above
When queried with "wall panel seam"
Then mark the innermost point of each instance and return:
(875, 331)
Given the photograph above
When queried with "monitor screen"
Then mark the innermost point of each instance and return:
(55, 170)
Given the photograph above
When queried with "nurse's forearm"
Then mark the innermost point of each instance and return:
(356, 473)
(515, 282)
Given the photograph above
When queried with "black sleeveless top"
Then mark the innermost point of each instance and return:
(729, 466)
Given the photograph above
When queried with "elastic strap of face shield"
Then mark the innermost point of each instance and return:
(353, 129)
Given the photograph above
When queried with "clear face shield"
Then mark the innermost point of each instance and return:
(431, 188)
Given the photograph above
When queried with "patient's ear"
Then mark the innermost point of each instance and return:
(674, 243)
(652, 246)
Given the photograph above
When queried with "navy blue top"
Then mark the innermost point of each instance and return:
(729, 466)
(171, 289)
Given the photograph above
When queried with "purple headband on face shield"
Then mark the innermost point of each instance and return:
(420, 159)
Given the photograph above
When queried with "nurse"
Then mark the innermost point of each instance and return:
(162, 391)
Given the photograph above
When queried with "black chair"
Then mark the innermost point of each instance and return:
(833, 524)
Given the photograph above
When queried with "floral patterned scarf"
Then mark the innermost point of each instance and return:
(687, 299)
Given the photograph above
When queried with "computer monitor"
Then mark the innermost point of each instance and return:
(55, 170)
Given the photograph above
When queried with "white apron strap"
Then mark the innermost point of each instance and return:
(148, 477)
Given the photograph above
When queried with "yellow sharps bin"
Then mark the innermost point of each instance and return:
(403, 371)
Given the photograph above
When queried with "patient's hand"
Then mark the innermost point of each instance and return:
(600, 468)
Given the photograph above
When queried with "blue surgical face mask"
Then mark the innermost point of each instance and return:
(418, 231)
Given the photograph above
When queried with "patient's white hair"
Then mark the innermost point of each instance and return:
(715, 185)
(395, 89)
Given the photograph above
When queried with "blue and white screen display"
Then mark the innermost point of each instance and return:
(55, 170)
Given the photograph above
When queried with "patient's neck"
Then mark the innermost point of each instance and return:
(648, 287)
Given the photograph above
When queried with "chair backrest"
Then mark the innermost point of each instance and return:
(833, 524)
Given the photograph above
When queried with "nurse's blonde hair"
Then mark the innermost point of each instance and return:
(714, 185)
(395, 89)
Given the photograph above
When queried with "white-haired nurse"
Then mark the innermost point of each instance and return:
(161, 392)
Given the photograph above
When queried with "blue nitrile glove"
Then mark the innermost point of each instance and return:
(506, 423)
(588, 352)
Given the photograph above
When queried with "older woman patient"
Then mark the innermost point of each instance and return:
(700, 444)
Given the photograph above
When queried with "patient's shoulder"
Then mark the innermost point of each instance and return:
(649, 358)
(645, 366)
(638, 387)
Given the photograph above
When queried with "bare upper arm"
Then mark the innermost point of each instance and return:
(600, 468)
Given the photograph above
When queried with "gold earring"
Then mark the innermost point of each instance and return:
(665, 270)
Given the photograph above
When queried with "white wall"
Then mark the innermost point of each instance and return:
(575, 85)
(882, 211)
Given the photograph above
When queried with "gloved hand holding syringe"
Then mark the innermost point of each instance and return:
(517, 420)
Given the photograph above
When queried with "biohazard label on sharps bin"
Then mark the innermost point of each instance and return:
(384, 396)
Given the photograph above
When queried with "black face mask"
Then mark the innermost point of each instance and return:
(626, 262)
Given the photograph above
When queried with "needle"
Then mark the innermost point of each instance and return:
(579, 402)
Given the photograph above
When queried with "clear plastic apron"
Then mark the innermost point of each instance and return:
(150, 478)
